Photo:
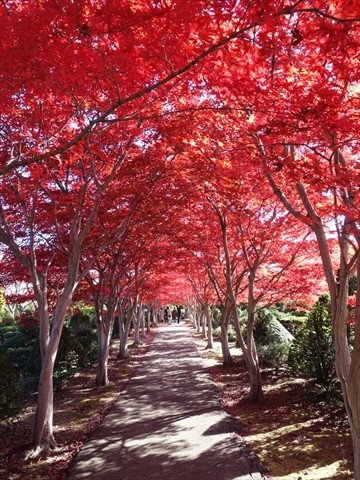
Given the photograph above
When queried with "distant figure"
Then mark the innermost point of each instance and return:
(166, 314)
(178, 313)
(174, 314)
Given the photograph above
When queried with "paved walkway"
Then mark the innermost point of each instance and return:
(168, 424)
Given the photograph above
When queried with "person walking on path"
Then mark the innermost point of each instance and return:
(178, 313)
(167, 424)
(174, 314)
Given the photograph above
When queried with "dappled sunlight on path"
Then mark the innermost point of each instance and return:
(167, 424)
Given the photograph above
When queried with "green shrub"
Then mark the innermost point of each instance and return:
(7, 319)
(216, 317)
(312, 352)
(217, 332)
(18, 342)
(65, 369)
(80, 323)
(273, 355)
(67, 359)
(290, 319)
(272, 339)
(10, 394)
(85, 334)
(71, 354)
(12, 339)
(231, 333)
(352, 285)
(19, 356)
(30, 333)
(77, 348)
(34, 359)
(4, 329)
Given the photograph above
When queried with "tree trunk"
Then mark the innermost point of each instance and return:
(43, 428)
(210, 338)
(225, 320)
(256, 392)
(102, 378)
(136, 333)
(99, 322)
(356, 449)
(44, 332)
(189, 313)
(106, 333)
(239, 335)
(194, 317)
(203, 324)
(136, 318)
(102, 367)
(197, 321)
(252, 359)
(124, 332)
(142, 321)
(352, 405)
(150, 318)
(347, 367)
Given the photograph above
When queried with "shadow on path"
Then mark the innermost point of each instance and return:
(167, 424)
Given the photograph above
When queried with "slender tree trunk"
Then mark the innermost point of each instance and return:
(99, 322)
(195, 318)
(150, 318)
(43, 428)
(121, 334)
(203, 323)
(136, 334)
(137, 317)
(225, 321)
(44, 332)
(105, 329)
(348, 367)
(189, 313)
(256, 392)
(239, 335)
(125, 329)
(210, 338)
(142, 321)
(102, 367)
(354, 376)
(197, 321)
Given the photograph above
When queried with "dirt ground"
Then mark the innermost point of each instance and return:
(296, 434)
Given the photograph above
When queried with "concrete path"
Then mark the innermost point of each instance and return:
(168, 424)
